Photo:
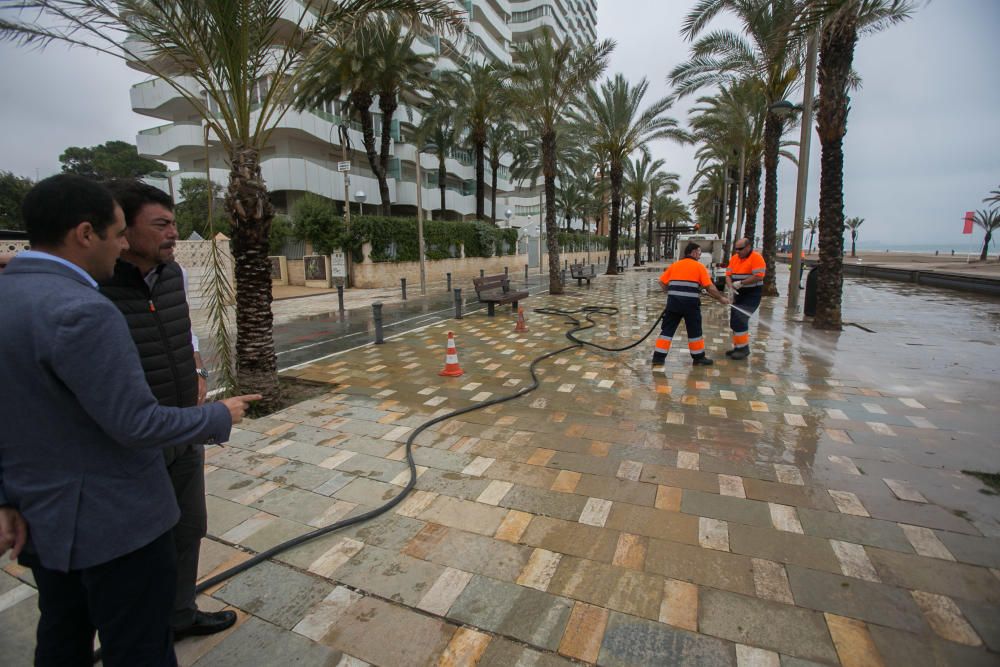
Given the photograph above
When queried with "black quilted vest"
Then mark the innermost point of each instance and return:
(161, 328)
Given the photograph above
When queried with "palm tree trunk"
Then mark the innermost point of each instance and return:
(442, 184)
(836, 57)
(551, 225)
(362, 101)
(753, 201)
(617, 172)
(649, 226)
(986, 245)
(480, 150)
(727, 241)
(387, 105)
(494, 166)
(250, 210)
(854, 238)
(638, 237)
(773, 126)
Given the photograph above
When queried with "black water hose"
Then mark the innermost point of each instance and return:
(588, 312)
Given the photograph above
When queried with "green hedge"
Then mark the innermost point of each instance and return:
(395, 239)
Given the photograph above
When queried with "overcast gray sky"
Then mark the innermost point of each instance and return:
(923, 142)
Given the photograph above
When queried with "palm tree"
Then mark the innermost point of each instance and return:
(993, 198)
(480, 92)
(853, 224)
(812, 224)
(990, 222)
(660, 185)
(637, 184)
(769, 54)
(236, 63)
(500, 140)
(547, 79)
(620, 126)
(437, 127)
(841, 21)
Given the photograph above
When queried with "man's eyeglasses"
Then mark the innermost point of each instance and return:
(738, 248)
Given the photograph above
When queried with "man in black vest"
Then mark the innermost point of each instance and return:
(150, 289)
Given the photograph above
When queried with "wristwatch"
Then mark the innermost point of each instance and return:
(203, 372)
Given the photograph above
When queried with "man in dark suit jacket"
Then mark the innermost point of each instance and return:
(83, 489)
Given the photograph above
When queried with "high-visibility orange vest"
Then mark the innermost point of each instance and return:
(741, 269)
(685, 278)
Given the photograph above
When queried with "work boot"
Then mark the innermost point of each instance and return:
(741, 353)
(702, 361)
(729, 353)
(658, 362)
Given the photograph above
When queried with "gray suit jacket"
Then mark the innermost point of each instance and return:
(81, 436)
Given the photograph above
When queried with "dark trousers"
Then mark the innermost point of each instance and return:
(748, 300)
(186, 466)
(681, 308)
(126, 600)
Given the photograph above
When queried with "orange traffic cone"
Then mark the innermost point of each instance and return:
(451, 367)
(521, 325)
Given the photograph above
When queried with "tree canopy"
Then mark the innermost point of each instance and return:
(112, 159)
(12, 191)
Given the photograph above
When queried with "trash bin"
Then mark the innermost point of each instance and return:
(809, 307)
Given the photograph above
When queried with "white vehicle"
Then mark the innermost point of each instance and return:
(711, 254)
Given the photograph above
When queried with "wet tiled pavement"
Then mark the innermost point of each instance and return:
(806, 506)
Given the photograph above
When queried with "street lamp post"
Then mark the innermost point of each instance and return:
(803, 177)
(360, 196)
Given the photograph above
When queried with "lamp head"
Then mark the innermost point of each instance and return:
(360, 196)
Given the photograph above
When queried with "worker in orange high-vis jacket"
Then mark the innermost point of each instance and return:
(682, 281)
(745, 277)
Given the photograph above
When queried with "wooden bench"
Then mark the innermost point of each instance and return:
(492, 290)
(580, 272)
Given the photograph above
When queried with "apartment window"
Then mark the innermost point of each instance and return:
(531, 14)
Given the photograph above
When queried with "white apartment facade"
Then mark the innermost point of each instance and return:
(304, 148)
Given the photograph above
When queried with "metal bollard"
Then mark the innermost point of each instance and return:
(449, 282)
(506, 273)
(525, 273)
(402, 283)
(377, 316)
(562, 276)
(458, 303)
(340, 297)
(482, 273)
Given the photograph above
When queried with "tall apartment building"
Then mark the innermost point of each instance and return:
(304, 149)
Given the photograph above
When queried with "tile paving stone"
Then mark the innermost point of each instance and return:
(607, 586)
(635, 641)
(936, 576)
(224, 515)
(853, 642)
(317, 623)
(504, 653)
(770, 581)
(727, 508)
(790, 630)
(679, 606)
(864, 600)
(372, 467)
(538, 571)
(230, 484)
(926, 543)
(854, 561)
(307, 476)
(365, 627)
(525, 614)
(985, 619)
(394, 576)
(468, 551)
(258, 642)
(454, 484)
(630, 552)
(294, 504)
(859, 530)
(973, 550)
(684, 479)
(750, 656)
(388, 531)
(652, 522)
(904, 649)
(668, 498)
(945, 618)
(583, 463)
(564, 506)
(916, 514)
(584, 632)
(571, 538)
(707, 567)
(18, 623)
(274, 593)
(617, 490)
(789, 494)
(367, 492)
(789, 661)
(273, 533)
(443, 593)
(513, 526)
(783, 547)
(464, 514)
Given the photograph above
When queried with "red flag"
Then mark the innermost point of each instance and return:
(969, 215)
